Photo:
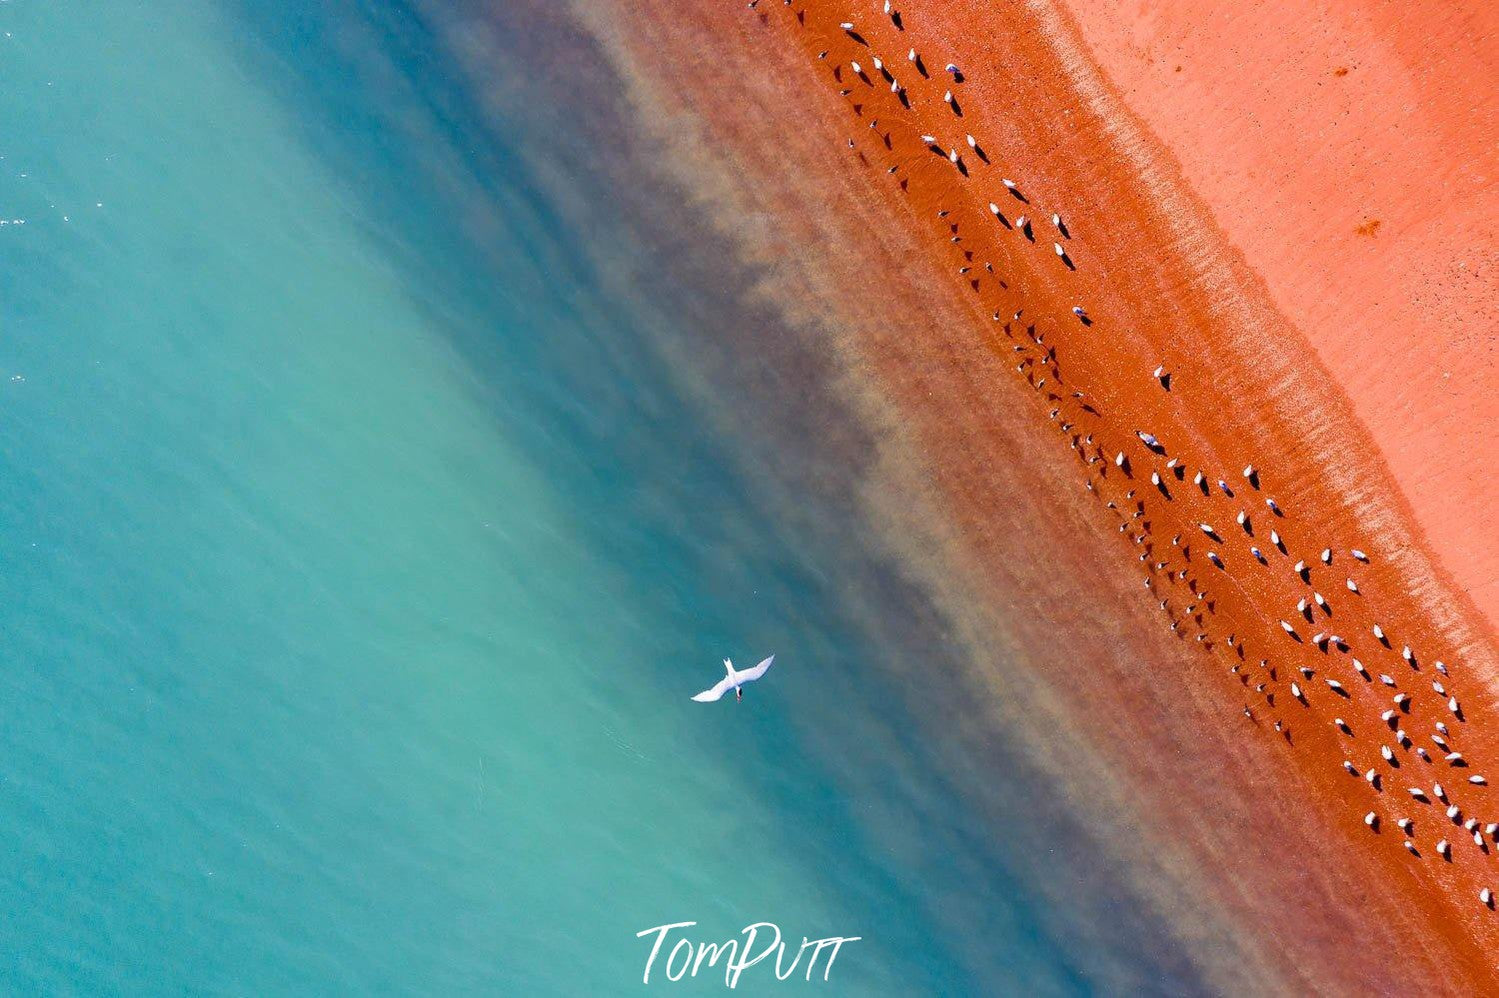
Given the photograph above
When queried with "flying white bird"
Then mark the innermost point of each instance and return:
(734, 681)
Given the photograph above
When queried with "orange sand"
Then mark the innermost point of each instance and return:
(1347, 150)
(1250, 839)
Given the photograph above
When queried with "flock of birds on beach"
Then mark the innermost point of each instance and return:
(1292, 666)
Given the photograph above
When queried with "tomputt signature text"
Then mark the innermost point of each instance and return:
(685, 958)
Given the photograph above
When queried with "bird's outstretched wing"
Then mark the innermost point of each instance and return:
(715, 691)
(750, 675)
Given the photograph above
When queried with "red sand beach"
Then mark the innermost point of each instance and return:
(1348, 152)
(1148, 633)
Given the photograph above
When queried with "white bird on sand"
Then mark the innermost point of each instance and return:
(734, 681)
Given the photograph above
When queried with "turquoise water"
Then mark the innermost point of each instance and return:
(362, 549)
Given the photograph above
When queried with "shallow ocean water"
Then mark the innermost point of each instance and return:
(363, 546)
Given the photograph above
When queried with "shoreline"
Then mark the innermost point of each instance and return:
(1241, 395)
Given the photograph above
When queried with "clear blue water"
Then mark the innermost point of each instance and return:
(361, 549)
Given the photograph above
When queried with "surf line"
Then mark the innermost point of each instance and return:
(738, 957)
